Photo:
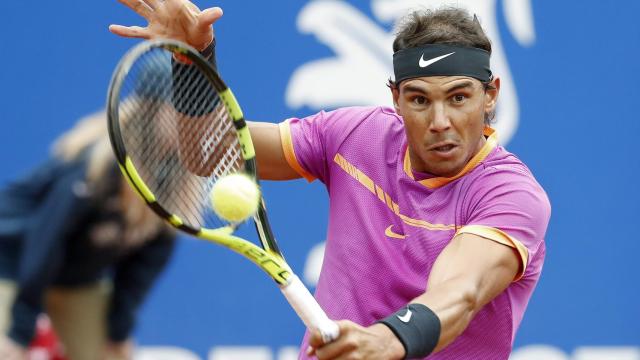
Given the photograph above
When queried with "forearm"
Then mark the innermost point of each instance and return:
(431, 321)
(469, 273)
(272, 164)
(455, 303)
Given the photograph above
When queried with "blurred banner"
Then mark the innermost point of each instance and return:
(568, 109)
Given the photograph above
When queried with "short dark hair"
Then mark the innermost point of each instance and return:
(446, 25)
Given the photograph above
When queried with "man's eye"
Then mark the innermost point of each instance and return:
(459, 98)
(419, 100)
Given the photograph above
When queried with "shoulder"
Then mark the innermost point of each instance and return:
(503, 194)
(504, 166)
(56, 176)
(369, 112)
(335, 126)
(366, 120)
(70, 180)
(354, 115)
(502, 175)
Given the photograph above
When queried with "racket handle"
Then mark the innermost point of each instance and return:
(309, 310)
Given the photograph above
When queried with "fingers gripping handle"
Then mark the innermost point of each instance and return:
(308, 309)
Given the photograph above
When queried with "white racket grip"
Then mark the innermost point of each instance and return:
(309, 310)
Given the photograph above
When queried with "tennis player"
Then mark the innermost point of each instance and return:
(436, 232)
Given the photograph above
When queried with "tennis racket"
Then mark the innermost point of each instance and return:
(176, 128)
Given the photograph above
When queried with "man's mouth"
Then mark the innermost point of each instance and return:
(443, 148)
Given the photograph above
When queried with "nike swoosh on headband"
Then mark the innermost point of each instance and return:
(424, 63)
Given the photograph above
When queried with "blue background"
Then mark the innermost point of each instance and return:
(578, 129)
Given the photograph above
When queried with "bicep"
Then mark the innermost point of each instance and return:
(483, 266)
(272, 163)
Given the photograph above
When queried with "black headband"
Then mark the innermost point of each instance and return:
(441, 60)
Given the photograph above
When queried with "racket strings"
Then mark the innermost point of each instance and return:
(161, 170)
(178, 135)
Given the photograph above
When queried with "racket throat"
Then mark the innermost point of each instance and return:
(267, 239)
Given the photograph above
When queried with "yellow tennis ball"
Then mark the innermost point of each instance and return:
(235, 197)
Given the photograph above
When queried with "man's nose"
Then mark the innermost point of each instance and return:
(439, 119)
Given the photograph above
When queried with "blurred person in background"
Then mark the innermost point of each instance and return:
(77, 244)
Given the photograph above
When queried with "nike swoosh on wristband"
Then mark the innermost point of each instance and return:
(424, 63)
(406, 317)
(392, 234)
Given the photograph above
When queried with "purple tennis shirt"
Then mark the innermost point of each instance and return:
(388, 224)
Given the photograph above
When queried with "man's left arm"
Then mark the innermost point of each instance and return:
(468, 274)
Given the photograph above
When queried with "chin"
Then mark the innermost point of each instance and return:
(446, 168)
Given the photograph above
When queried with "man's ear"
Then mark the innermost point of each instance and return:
(395, 94)
(491, 96)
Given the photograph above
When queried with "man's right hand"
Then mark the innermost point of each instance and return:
(171, 19)
(10, 350)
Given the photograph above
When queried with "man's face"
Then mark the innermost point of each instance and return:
(444, 120)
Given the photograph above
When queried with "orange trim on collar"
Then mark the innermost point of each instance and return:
(436, 182)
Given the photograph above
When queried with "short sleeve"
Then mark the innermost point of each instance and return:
(507, 205)
(308, 143)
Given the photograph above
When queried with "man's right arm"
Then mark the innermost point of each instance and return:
(272, 163)
(182, 20)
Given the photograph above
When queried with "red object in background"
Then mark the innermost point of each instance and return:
(45, 344)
